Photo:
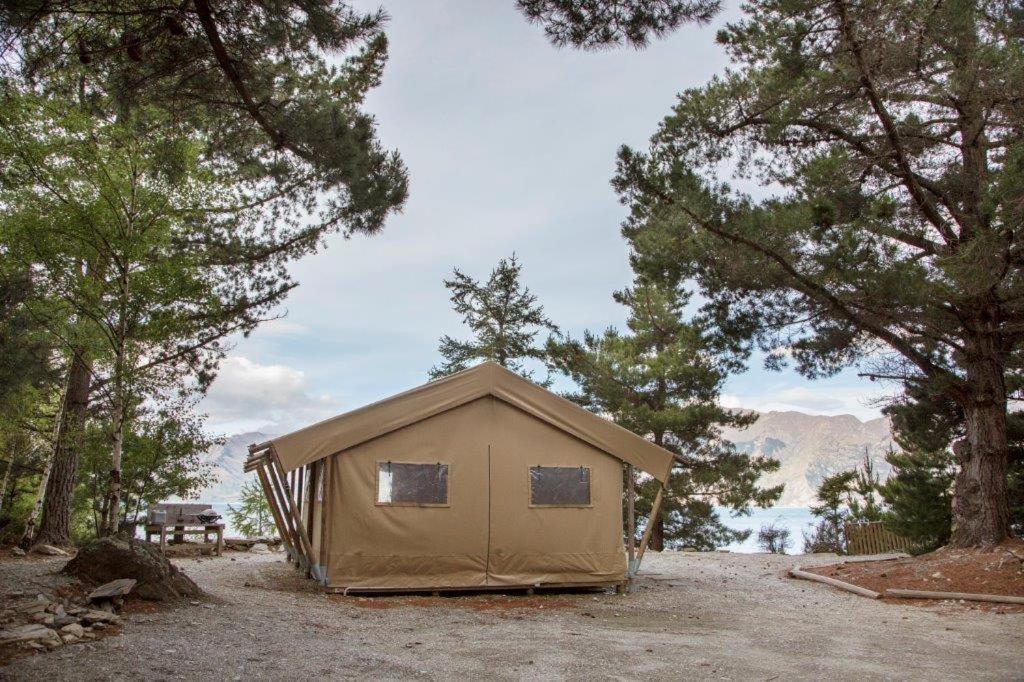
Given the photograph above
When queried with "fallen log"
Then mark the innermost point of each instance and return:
(796, 572)
(967, 596)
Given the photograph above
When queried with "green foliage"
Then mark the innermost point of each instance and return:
(596, 24)
(662, 380)
(503, 316)
(773, 539)
(163, 457)
(272, 90)
(918, 496)
(850, 496)
(877, 236)
(252, 517)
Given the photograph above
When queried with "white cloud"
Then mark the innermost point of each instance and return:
(272, 398)
(815, 398)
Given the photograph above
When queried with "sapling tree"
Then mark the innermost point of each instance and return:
(252, 515)
(502, 315)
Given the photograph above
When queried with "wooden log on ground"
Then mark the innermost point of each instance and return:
(796, 572)
(967, 596)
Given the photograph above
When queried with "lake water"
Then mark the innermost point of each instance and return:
(796, 519)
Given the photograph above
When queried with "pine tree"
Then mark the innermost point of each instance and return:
(919, 497)
(662, 380)
(887, 137)
(503, 317)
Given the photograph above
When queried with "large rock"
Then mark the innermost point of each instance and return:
(107, 559)
(30, 633)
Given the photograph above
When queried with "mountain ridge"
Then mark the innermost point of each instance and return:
(809, 448)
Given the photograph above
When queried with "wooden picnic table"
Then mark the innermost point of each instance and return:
(183, 518)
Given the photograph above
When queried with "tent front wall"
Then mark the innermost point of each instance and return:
(488, 535)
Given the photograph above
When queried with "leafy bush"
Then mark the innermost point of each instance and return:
(252, 518)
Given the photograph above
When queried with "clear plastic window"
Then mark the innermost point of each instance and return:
(408, 483)
(559, 486)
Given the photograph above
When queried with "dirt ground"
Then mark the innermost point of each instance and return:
(703, 616)
(999, 570)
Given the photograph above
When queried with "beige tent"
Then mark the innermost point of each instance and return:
(478, 480)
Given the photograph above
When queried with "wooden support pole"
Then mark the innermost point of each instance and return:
(300, 496)
(268, 491)
(630, 518)
(967, 596)
(655, 510)
(304, 543)
(325, 516)
(277, 483)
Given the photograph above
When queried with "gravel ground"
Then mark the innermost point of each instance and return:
(704, 616)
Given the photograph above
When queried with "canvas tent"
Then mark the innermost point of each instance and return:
(478, 480)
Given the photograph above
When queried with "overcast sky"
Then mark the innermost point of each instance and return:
(510, 144)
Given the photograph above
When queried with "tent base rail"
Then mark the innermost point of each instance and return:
(468, 589)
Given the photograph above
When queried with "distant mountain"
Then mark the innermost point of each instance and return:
(811, 447)
(228, 461)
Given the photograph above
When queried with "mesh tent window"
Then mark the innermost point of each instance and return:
(406, 483)
(559, 486)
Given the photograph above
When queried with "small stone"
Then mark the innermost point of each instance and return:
(69, 639)
(73, 629)
(60, 622)
(94, 617)
(260, 548)
(17, 551)
(936, 574)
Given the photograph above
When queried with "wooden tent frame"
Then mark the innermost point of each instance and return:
(295, 506)
(302, 518)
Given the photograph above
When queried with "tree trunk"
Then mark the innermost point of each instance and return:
(981, 511)
(113, 514)
(7, 478)
(657, 541)
(55, 528)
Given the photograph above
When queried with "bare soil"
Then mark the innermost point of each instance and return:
(996, 571)
(691, 616)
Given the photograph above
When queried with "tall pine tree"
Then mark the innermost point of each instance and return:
(662, 380)
(504, 318)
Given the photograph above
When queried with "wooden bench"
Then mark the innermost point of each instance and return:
(184, 518)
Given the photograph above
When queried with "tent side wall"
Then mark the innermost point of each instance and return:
(488, 534)
(551, 545)
(413, 547)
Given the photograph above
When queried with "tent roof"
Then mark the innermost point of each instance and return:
(345, 431)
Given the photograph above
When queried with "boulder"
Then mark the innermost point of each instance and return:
(259, 548)
(17, 551)
(106, 559)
